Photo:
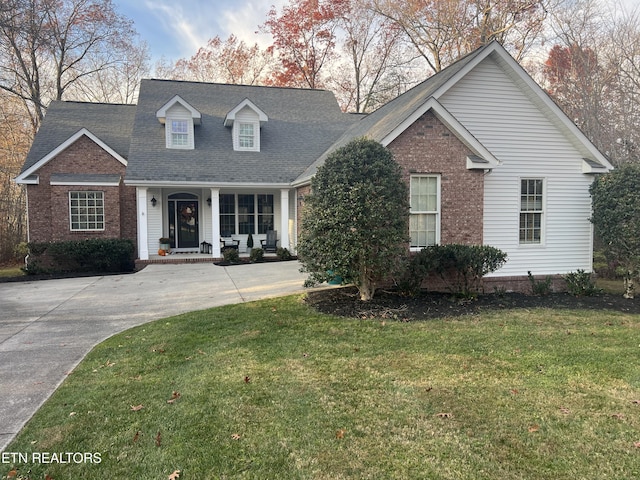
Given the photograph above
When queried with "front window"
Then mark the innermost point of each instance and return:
(246, 213)
(86, 211)
(425, 211)
(531, 210)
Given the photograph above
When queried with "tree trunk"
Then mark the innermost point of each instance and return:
(629, 286)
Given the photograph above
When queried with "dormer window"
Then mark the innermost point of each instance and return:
(246, 136)
(246, 120)
(179, 133)
(179, 117)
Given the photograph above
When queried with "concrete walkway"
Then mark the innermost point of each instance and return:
(47, 327)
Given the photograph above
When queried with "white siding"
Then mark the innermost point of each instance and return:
(154, 221)
(246, 115)
(499, 114)
(178, 112)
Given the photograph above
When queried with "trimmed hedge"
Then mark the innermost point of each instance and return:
(95, 255)
(461, 267)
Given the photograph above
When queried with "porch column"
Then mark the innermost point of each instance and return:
(284, 218)
(215, 223)
(143, 235)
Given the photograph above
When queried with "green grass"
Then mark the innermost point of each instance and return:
(11, 271)
(274, 390)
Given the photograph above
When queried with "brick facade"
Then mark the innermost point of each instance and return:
(49, 204)
(429, 147)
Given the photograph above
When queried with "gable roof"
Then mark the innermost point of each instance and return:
(161, 114)
(302, 124)
(386, 123)
(109, 125)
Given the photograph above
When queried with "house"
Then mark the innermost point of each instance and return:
(488, 156)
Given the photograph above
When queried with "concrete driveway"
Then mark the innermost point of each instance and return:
(47, 327)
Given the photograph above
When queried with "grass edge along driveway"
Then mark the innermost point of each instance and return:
(272, 389)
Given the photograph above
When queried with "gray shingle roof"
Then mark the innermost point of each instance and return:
(302, 124)
(109, 122)
(384, 120)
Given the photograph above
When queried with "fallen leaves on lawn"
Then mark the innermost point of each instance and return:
(174, 396)
(534, 428)
(565, 410)
(12, 473)
(175, 475)
(136, 436)
(247, 379)
(618, 416)
(636, 444)
(444, 415)
(236, 436)
(340, 433)
(136, 408)
(158, 439)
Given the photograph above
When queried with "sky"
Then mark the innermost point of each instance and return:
(175, 30)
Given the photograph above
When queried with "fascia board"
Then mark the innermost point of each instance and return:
(177, 183)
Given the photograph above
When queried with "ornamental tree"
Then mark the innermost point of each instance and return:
(355, 221)
(616, 218)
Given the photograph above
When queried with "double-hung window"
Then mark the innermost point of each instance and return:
(424, 221)
(246, 136)
(531, 210)
(86, 211)
(179, 133)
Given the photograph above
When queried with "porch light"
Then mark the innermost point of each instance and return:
(209, 201)
(154, 201)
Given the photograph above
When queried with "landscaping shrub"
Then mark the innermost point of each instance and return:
(283, 254)
(231, 255)
(95, 255)
(256, 255)
(579, 283)
(414, 271)
(463, 266)
(540, 287)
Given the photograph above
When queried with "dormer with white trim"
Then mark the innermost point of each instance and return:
(246, 120)
(179, 117)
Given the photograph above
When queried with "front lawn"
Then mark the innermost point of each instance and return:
(275, 390)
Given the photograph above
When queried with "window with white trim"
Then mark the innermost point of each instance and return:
(531, 210)
(246, 136)
(86, 211)
(179, 133)
(424, 221)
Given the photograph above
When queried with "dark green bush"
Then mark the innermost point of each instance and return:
(540, 287)
(414, 271)
(283, 253)
(580, 283)
(256, 255)
(461, 267)
(95, 255)
(231, 255)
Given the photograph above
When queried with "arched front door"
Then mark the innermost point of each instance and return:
(183, 220)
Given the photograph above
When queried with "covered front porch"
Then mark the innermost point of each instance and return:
(197, 222)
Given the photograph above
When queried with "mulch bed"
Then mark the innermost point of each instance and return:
(388, 304)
